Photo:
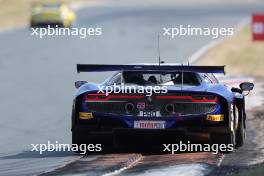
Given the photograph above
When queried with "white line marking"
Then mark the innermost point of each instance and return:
(130, 165)
(202, 51)
(220, 160)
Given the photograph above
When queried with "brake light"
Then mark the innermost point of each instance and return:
(95, 96)
(205, 99)
(104, 97)
(195, 98)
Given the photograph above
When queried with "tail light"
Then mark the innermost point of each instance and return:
(104, 97)
(191, 98)
(95, 97)
(204, 99)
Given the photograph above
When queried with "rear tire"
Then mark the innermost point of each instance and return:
(240, 134)
(223, 138)
(226, 139)
(76, 141)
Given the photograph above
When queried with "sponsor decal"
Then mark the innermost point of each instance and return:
(258, 27)
(216, 118)
(150, 113)
(141, 105)
(85, 115)
(149, 124)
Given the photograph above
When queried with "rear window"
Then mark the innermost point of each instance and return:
(170, 78)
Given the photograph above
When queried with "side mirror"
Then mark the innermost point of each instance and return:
(79, 84)
(246, 86)
(237, 90)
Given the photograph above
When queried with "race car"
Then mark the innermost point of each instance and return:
(50, 13)
(194, 102)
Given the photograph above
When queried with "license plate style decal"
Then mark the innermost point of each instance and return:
(149, 113)
(145, 124)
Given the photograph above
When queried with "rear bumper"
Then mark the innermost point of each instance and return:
(219, 130)
(126, 136)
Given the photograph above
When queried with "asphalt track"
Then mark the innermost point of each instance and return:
(37, 75)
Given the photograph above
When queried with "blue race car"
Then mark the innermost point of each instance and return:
(183, 101)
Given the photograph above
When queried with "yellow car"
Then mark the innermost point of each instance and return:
(51, 14)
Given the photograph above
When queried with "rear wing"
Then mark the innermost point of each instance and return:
(168, 68)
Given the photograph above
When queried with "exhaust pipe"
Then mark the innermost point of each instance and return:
(129, 107)
(169, 108)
